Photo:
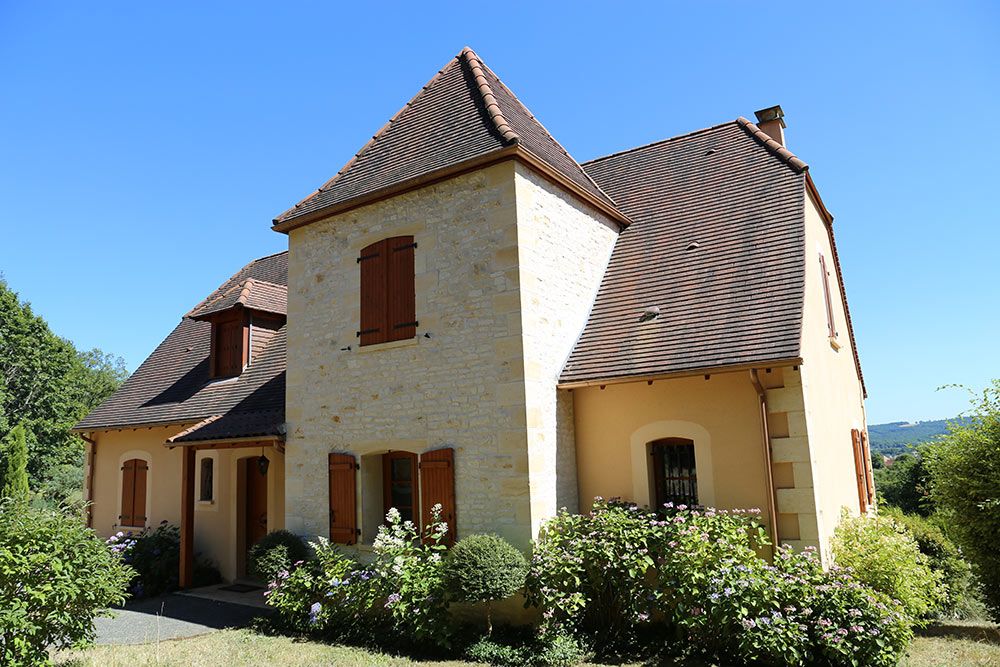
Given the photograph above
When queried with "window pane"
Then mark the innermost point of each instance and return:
(207, 472)
(402, 470)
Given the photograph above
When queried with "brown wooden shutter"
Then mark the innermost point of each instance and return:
(869, 473)
(229, 348)
(343, 504)
(437, 485)
(139, 495)
(859, 470)
(401, 295)
(128, 493)
(374, 285)
(824, 276)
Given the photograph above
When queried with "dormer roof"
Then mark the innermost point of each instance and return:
(464, 118)
(250, 294)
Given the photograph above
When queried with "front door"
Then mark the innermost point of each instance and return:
(256, 501)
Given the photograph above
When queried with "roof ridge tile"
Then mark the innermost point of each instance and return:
(785, 155)
(489, 100)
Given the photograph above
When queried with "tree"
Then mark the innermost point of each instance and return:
(904, 484)
(484, 568)
(14, 465)
(47, 385)
(965, 484)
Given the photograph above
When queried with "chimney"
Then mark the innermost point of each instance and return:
(771, 121)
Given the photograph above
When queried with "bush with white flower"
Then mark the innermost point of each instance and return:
(622, 574)
(402, 588)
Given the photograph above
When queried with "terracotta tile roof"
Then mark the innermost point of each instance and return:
(260, 424)
(716, 245)
(253, 294)
(172, 386)
(463, 113)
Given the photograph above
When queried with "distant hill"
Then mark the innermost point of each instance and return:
(897, 437)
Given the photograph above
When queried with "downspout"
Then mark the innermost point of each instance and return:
(772, 500)
(91, 459)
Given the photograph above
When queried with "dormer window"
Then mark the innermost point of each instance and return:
(229, 346)
(244, 318)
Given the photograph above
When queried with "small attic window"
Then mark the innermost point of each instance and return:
(229, 347)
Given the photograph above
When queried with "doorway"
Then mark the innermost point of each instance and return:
(255, 483)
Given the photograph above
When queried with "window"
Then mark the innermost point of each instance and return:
(825, 277)
(399, 478)
(388, 310)
(133, 493)
(675, 478)
(228, 347)
(206, 480)
(863, 469)
(412, 484)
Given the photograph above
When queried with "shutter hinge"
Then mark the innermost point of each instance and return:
(366, 331)
(406, 324)
(367, 257)
(357, 531)
(404, 247)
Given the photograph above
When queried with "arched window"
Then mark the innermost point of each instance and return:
(675, 477)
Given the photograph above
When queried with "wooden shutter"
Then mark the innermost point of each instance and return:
(128, 492)
(437, 485)
(229, 348)
(859, 470)
(343, 505)
(824, 276)
(133, 493)
(869, 473)
(374, 285)
(401, 297)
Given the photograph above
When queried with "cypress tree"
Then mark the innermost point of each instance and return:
(14, 465)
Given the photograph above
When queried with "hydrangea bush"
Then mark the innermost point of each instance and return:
(402, 588)
(155, 557)
(619, 572)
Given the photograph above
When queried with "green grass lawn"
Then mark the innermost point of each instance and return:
(243, 648)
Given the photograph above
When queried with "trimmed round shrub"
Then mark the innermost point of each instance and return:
(484, 568)
(56, 576)
(883, 555)
(277, 552)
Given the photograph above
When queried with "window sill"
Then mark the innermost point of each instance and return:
(834, 343)
(206, 502)
(377, 347)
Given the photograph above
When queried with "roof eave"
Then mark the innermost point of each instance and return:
(515, 151)
(689, 372)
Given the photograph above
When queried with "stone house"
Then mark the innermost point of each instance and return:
(466, 315)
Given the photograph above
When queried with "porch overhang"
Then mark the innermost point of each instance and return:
(689, 372)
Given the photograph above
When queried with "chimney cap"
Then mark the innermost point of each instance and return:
(771, 114)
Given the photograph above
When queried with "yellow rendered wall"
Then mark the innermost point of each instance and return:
(721, 415)
(831, 388)
(218, 524)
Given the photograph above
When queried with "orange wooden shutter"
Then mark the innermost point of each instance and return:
(229, 348)
(401, 297)
(374, 283)
(869, 473)
(859, 469)
(128, 493)
(139, 495)
(343, 505)
(437, 485)
(831, 329)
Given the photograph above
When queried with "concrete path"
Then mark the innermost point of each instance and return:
(171, 617)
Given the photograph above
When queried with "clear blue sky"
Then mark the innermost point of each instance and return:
(145, 147)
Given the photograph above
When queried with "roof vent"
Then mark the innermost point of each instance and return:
(771, 121)
(711, 151)
(651, 313)
(694, 245)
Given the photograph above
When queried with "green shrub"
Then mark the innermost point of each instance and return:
(155, 556)
(484, 568)
(55, 577)
(14, 465)
(883, 555)
(945, 557)
(517, 647)
(402, 592)
(278, 551)
(965, 486)
(490, 651)
(621, 572)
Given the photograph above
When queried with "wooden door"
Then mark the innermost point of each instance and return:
(256, 501)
